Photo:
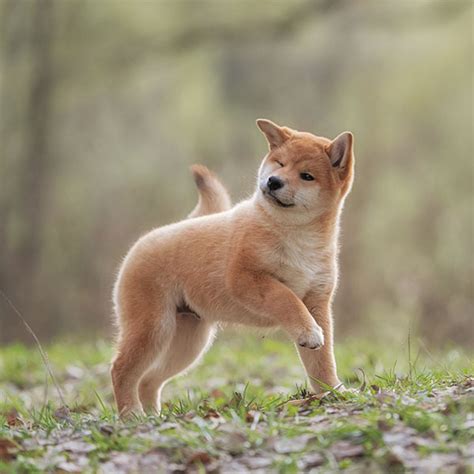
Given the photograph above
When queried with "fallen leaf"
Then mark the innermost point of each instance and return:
(250, 416)
(119, 462)
(216, 393)
(8, 449)
(406, 400)
(468, 424)
(62, 414)
(311, 460)
(424, 442)
(306, 401)
(318, 418)
(385, 397)
(345, 449)
(297, 403)
(468, 382)
(78, 465)
(400, 435)
(434, 462)
(154, 461)
(214, 416)
(199, 457)
(291, 445)
(383, 425)
(76, 446)
(231, 467)
(168, 425)
(400, 455)
(257, 462)
(13, 418)
(233, 443)
(107, 429)
(253, 416)
(189, 415)
(212, 413)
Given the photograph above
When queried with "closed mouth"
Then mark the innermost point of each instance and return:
(277, 201)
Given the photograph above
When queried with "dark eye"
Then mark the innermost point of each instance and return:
(280, 163)
(306, 177)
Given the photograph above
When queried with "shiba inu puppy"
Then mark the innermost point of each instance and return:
(269, 261)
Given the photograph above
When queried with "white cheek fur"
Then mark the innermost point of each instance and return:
(308, 195)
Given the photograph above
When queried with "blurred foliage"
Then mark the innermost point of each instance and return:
(106, 104)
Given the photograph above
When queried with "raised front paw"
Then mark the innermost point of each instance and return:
(312, 339)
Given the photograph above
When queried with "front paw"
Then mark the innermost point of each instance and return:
(312, 339)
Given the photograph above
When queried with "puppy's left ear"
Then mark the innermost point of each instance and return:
(341, 154)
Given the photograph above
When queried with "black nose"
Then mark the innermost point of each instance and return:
(274, 183)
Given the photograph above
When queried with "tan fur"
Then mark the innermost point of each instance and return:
(213, 197)
(258, 264)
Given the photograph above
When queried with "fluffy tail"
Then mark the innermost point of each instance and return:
(213, 197)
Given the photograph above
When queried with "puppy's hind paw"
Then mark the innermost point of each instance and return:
(313, 339)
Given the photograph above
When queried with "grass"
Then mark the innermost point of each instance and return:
(245, 408)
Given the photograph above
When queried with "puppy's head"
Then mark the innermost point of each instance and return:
(304, 175)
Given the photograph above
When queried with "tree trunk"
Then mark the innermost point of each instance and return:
(26, 160)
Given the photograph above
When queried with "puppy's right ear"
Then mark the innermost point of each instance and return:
(274, 134)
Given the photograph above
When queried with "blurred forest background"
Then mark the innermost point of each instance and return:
(105, 104)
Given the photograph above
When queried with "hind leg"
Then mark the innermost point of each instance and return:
(135, 354)
(191, 339)
(137, 350)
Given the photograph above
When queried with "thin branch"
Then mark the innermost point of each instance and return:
(44, 356)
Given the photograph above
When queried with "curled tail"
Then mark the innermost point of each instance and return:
(213, 197)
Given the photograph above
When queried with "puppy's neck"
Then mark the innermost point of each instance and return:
(325, 224)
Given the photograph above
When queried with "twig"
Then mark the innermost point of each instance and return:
(410, 364)
(363, 384)
(46, 389)
(44, 356)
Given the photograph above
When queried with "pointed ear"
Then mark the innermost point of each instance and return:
(274, 134)
(341, 154)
